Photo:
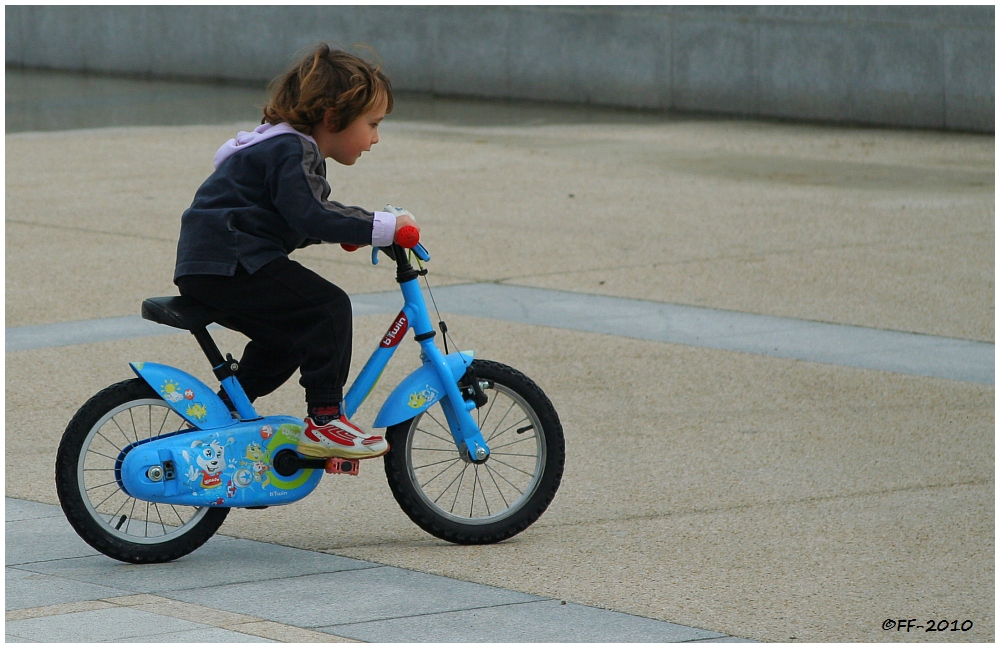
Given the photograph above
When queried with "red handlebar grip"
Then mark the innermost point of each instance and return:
(350, 247)
(408, 236)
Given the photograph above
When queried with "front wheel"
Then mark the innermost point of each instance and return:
(92, 496)
(458, 500)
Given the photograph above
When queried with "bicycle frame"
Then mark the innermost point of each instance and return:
(252, 437)
(437, 380)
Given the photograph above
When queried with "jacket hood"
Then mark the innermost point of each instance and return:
(244, 140)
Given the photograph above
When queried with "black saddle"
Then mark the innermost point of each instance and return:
(179, 312)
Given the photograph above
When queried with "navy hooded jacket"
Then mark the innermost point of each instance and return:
(267, 197)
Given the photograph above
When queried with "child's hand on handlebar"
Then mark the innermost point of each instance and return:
(407, 233)
(403, 221)
(397, 211)
(403, 218)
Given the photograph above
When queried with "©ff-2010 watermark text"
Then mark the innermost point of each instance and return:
(931, 625)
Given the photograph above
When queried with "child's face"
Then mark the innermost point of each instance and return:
(360, 136)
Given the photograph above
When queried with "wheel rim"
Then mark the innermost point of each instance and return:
(470, 493)
(120, 514)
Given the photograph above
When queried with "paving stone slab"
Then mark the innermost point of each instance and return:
(25, 589)
(201, 635)
(98, 625)
(374, 594)
(13, 639)
(219, 562)
(535, 622)
(42, 538)
(18, 509)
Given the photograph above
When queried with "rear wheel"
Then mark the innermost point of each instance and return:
(458, 500)
(90, 491)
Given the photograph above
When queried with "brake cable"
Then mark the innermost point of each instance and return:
(441, 322)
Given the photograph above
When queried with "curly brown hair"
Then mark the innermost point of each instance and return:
(323, 81)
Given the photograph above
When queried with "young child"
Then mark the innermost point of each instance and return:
(269, 196)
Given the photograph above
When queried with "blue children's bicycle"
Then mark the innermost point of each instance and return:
(148, 468)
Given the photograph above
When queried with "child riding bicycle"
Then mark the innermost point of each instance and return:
(268, 197)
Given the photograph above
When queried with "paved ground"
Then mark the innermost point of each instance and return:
(232, 590)
(748, 495)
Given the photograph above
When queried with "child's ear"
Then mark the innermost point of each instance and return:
(330, 120)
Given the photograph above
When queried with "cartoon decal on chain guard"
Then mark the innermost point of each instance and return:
(229, 467)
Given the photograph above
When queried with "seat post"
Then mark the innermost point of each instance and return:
(225, 370)
(209, 347)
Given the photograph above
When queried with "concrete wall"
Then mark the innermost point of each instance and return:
(917, 66)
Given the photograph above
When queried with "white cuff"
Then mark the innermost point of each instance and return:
(383, 229)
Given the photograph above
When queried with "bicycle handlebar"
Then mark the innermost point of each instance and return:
(407, 237)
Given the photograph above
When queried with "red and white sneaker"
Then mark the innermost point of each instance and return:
(339, 438)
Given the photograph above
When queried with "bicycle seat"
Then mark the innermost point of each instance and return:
(179, 312)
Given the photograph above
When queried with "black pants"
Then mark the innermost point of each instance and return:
(295, 319)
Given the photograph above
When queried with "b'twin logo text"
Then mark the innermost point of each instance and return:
(396, 332)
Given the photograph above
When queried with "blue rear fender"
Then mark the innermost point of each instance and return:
(420, 390)
(192, 399)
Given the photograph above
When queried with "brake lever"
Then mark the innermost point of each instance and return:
(387, 250)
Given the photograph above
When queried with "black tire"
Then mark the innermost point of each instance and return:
(97, 507)
(423, 465)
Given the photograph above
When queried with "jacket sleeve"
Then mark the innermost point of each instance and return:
(300, 193)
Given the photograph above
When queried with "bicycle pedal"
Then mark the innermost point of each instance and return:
(338, 466)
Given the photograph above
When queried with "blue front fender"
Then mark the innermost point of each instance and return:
(420, 390)
(192, 399)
